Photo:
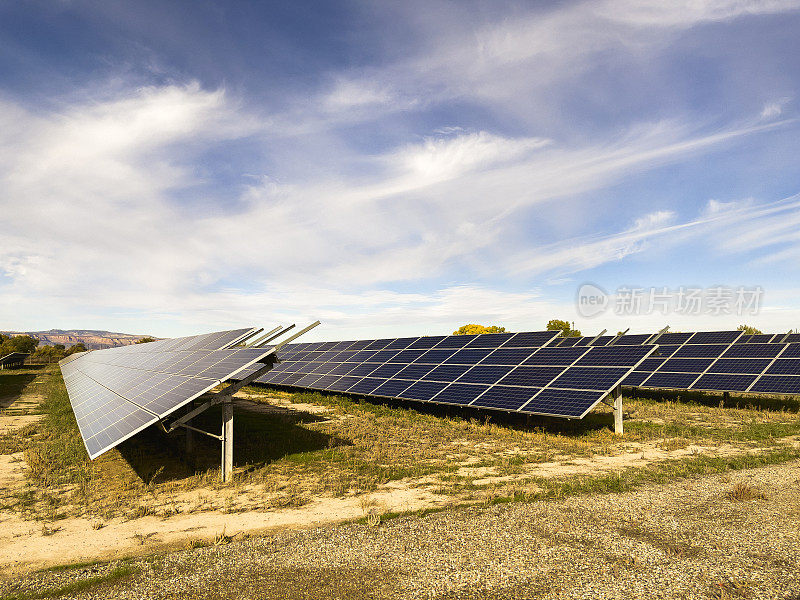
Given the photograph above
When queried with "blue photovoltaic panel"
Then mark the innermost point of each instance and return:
(792, 351)
(344, 383)
(590, 378)
(764, 338)
(486, 375)
(650, 364)
(602, 340)
(666, 351)
(685, 365)
(490, 340)
(505, 398)
(486, 371)
(722, 382)
(672, 338)
(436, 356)
(117, 392)
(447, 372)
(753, 351)
(777, 384)
(508, 356)
(635, 339)
(570, 341)
(468, 356)
(455, 341)
(670, 380)
(531, 339)
(414, 371)
(784, 366)
(753, 366)
(571, 403)
(556, 356)
(700, 351)
(365, 386)
(457, 393)
(427, 342)
(423, 390)
(392, 388)
(636, 378)
(620, 356)
(532, 376)
(715, 337)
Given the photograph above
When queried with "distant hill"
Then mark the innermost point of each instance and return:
(91, 338)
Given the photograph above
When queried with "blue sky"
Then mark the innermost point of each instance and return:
(394, 168)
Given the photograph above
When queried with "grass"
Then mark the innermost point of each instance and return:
(115, 575)
(285, 458)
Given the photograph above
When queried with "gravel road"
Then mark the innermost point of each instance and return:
(683, 540)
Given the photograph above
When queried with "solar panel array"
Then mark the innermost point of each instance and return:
(15, 358)
(117, 392)
(508, 371)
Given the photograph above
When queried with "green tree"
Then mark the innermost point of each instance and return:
(145, 340)
(473, 329)
(48, 354)
(79, 347)
(748, 329)
(565, 327)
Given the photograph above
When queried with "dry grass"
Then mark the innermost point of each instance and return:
(287, 457)
(741, 492)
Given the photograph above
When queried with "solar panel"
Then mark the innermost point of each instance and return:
(522, 372)
(777, 384)
(724, 382)
(17, 358)
(715, 337)
(119, 391)
(636, 339)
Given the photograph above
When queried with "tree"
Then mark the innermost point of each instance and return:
(48, 354)
(145, 340)
(748, 329)
(17, 343)
(565, 327)
(79, 347)
(473, 329)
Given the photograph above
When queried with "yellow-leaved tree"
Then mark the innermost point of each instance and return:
(473, 329)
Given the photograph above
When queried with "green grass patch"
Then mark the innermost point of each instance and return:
(117, 574)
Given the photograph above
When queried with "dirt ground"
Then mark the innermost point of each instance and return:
(727, 536)
(26, 545)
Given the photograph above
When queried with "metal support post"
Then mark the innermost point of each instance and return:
(617, 411)
(190, 438)
(227, 439)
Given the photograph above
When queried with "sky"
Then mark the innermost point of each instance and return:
(398, 168)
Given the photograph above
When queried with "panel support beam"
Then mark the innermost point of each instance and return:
(617, 395)
(227, 440)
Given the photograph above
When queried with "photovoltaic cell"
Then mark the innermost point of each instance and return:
(686, 365)
(721, 382)
(506, 398)
(753, 351)
(590, 378)
(484, 374)
(753, 366)
(490, 340)
(784, 366)
(635, 378)
(571, 403)
(715, 337)
(457, 393)
(670, 380)
(423, 390)
(777, 384)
